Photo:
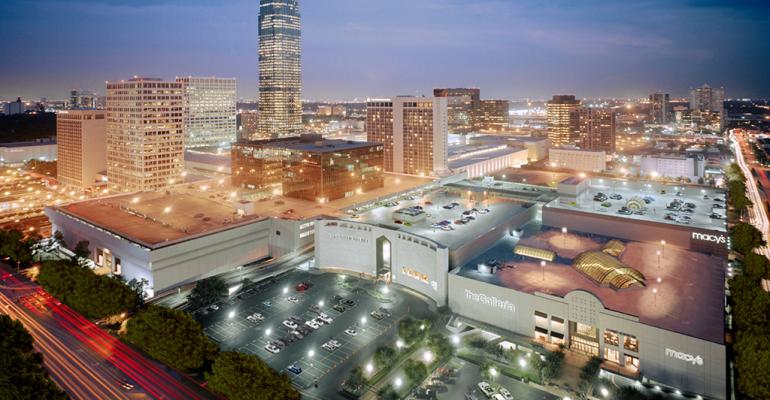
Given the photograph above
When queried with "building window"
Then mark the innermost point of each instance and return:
(118, 267)
(632, 362)
(611, 337)
(557, 324)
(541, 319)
(631, 343)
(541, 334)
(557, 338)
(612, 355)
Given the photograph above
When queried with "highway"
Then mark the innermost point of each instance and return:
(758, 213)
(83, 359)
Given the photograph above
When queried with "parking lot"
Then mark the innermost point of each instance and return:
(231, 329)
(659, 196)
(434, 204)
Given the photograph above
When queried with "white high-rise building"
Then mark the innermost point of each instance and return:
(209, 111)
(81, 147)
(414, 132)
(145, 140)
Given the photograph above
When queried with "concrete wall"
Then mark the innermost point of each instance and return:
(714, 242)
(352, 246)
(515, 311)
(175, 264)
(22, 154)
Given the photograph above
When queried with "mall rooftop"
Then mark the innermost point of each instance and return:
(158, 219)
(310, 143)
(683, 293)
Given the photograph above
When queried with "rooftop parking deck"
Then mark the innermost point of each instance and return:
(434, 203)
(619, 192)
(689, 297)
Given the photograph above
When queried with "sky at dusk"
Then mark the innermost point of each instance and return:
(364, 48)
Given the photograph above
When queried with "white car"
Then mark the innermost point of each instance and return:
(313, 324)
(255, 318)
(289, 324)
(292, 299)
(324, 318)
(214, 307)
(505, 393)
(497, 396)
(486, 389)
(351, 332)
(272, 349)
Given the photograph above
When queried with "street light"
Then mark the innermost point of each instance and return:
(522, 362)
(455, 339)
(658, 253)
(231, 314)
(268, 331)
(542, 268)
(321, 303)
(564, 236)
(604, 391)
(655, 293)
(398, 382)
(311, 353)
(399, 343)
(493, 372)
(369, 368)
(427, 356)
(363, 320)
(663, 248)
(286, 290)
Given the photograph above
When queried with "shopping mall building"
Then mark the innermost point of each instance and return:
(644, 293)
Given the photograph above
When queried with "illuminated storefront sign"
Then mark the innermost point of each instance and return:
(720, 239)
(684, 357)
(490, 300)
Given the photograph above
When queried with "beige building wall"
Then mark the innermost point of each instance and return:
(81, 147)
(145, 140)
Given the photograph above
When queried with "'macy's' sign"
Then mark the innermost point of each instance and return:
(695, 360)
(705, 237)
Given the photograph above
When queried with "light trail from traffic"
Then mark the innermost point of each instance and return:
(758, 213)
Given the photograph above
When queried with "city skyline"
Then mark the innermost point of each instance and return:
(512, 51)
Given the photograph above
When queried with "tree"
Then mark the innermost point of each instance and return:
(139, 287)
(245, 377)
(412, 330)
(22, 375)
(753, 365)
(552, 365)
(356, 379)
(440, 346)
(383, 356)
(58, 239)
(206, 292)
(745, 238)
(170, 336)
(95, 296)
(81, 249)
(588, 373)
(388, 393)
(415, 371)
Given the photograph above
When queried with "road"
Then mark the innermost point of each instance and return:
(758, 213)
(83, 359)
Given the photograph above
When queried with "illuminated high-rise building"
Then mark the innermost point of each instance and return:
(280, 80)
(80, 147)
(82, 99)
(562, 121)
(706, 99)
(145, 140)
(660, 108)
(413, 131)
(492, 116)
(209, 111)
(596, 127)
(463, 105)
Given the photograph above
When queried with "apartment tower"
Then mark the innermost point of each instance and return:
(413, 131)
(80, 147)
(145, 139)
(280, 80)
(463, 105)
(596, 128)
(561, 120)
(209, 111)
(660, 108)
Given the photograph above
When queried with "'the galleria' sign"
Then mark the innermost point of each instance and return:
(720, 239)
(490, 300)
(684, 357)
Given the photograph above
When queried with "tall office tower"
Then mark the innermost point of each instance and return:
(80, 147)
(659, 108)
(145, 139)
(413, 131)
(209, 111)
(709, 100)
(562, 120)
(248, 122)
(81, 99)
(492, 116)
(462, 106)
(280, 80)
(596, 127)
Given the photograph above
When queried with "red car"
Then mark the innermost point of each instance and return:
(303, 286)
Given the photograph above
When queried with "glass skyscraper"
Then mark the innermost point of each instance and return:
(280, 83)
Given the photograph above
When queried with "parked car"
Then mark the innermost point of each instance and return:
(313, 324)
(272, 349)
(505, 393)
(349, 302)
(616, 196)
(339, 308)
(376, 315)
(486, 388)
(293, 299)
(324, 318)
(290, 324)
(294, 368)
(351, 331)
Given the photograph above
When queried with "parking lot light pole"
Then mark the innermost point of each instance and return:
(663, 248)
(655, 293)
(542, 268)
(658, 254)
(564, 236)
